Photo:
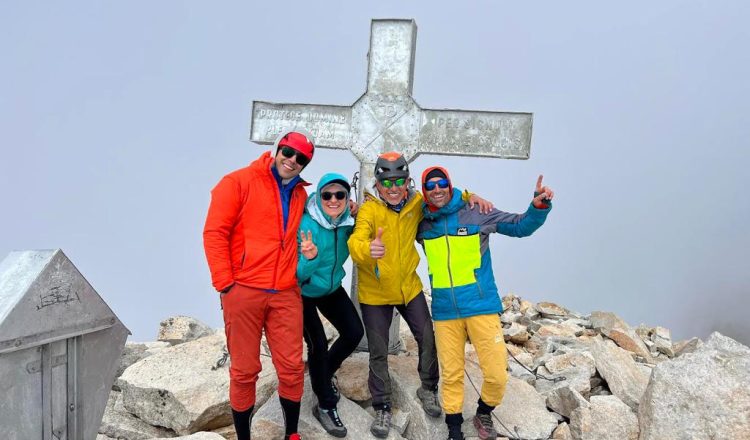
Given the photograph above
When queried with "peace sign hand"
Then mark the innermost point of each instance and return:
(542, 195)
(306, 245)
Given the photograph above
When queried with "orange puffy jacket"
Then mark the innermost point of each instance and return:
(244, 235)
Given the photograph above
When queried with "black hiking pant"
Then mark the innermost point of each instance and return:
(323, 362)
(377, 320)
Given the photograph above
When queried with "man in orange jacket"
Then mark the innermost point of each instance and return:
(250, 238)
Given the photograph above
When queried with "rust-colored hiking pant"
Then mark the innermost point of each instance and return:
(247, 313)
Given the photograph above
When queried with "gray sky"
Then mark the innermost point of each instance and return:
(117, 118)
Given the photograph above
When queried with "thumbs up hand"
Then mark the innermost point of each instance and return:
(377, 248)
(307, 246)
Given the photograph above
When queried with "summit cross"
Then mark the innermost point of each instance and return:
(386, 117)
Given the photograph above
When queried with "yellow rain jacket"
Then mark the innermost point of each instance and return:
(392, 279)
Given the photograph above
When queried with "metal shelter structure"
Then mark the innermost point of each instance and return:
(60, 345)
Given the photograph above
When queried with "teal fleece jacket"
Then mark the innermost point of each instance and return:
(323, 274)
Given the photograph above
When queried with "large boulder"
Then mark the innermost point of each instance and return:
(516, 333)
(564, 330)
(562, 432)
(684, 347)
(617, 367)
(551, 310)
(181, 329)
(573, 360)
(118, 423)
(352, 377)
(565, 400)
(135, 351)
(700, 395)
(405, 382)
(522, 409)
(577, 378)
(572, 369)
(605, 418)
(613, 327)
(181, 387)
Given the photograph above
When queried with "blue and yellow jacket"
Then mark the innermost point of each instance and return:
(456, 243)
(323, 274)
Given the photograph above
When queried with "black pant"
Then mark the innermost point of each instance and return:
(323, 362)
(377, 321)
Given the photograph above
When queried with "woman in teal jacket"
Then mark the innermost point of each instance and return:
(324, 231)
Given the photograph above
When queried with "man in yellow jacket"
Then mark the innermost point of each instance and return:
(383, 248)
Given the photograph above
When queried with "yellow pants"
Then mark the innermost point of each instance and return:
(486, 334)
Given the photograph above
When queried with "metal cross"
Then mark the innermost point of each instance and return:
(386, 117)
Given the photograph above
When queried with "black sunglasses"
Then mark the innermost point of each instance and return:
(442, 183)
(340, 195)
(289, 152)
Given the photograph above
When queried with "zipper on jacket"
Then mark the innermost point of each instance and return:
(450, 274)
(280, 212)
(335, 254)
(400, 267)
(479, 285)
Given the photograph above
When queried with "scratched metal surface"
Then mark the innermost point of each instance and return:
(60, 346)
(47, 303)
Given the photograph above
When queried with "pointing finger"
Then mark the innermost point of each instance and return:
(539, 182)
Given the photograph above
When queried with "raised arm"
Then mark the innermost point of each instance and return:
(522, 225)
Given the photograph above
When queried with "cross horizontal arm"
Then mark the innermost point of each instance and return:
(329, 125)
(475, 133)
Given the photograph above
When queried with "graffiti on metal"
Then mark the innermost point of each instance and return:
(57, 295)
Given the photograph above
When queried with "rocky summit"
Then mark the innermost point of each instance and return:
(572, 376)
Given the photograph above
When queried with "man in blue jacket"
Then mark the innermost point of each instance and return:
(465, 300)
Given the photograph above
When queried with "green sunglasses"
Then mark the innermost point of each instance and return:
(388, 183)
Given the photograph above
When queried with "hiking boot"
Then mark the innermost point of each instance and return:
(329, 419)
(485, 428)
(335, 388)
(430, 402)
(382, 423)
